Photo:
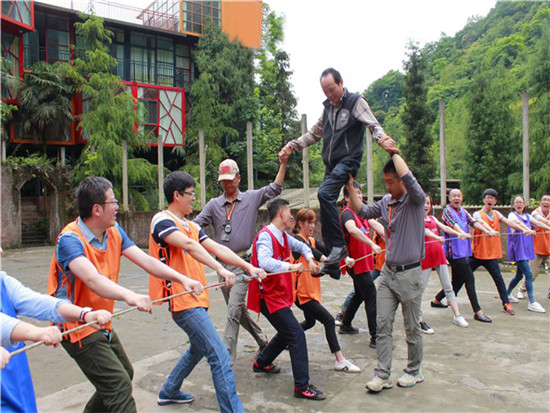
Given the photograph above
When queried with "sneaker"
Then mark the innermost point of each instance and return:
(426, 329)
(378, 384)
(483, 318)
(521, 295)
(163, 399)
(508, 310)
(310, 392)
(372, 343)
(459, 321)
(408, 380)
(346, 366)
(536, 307)
(338, 319)
(437, 304)
(270, 368)
(344, 329)
(513, 299)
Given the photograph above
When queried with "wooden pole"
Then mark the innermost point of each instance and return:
(202, 169)
(370, 174)
(62, 155)
(525, 111)
(249, 156)
(305, 163)
(3, 144)
(161, 171)
(125, 206)
(442, 155)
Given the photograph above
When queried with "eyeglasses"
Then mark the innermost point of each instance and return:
(191, 194)
(115, 202)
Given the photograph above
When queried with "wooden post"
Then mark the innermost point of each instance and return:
(525, 111)
(442, 155)
(305, 163)
(62, 155)
(3, 144)
(160, 148)
(370, 174)
(202, 169)
(249, 156)
(125, 206)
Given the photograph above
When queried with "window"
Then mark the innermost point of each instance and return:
(195, 13)
(18, 10)
(58, 39)
(11, 55)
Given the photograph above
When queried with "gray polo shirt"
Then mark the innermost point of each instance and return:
(405, 229)
(243, 217)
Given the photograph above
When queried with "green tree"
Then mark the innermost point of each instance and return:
(385, 93)
(110, 117)
(490, 137)
(416, 118)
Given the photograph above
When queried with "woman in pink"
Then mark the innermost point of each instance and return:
(435, 258)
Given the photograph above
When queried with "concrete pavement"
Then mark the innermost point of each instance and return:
(502, 366)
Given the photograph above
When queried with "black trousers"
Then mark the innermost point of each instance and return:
(365, 292)
(462, 274)
(314, 311)
(289, 334)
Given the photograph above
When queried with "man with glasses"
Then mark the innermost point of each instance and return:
(233, 217)
(84, 270)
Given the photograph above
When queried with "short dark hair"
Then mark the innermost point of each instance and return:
(335, 75)
(274, 206)
(355, 185)
(490, 191)
(177, 181)
(389, 168)
(91, 191)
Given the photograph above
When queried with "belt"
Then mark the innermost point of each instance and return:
(398, 268)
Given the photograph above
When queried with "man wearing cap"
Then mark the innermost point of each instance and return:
(342, 128)
(488, 249)
(233, 217)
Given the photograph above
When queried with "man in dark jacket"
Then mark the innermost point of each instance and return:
(342, 128)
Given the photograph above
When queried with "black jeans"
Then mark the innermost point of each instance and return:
(313, 311)
(289, 334)
(462, 274)
(365, 291)
(492, 267)
(328, 196)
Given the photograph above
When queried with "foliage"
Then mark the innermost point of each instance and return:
(385, 93)
(12, 83)
(416, 118)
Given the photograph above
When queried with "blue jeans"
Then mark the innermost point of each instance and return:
(523, 269)
(204, 342)
(328, 195)
(494, 270)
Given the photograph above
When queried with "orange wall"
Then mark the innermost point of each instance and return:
(242, 20)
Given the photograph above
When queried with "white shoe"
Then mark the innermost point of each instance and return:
(536, 307)
(408, 380)
(459, 321)
(513, 299)
(377, 384)
(521, 295)
(346, 366)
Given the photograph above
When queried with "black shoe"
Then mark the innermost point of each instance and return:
(483, 318)
(426, 329)
(270, 369)
(310, 392)
(344, 329)
(336, 254)
(318, 275)
(438, 304)
(372, 343)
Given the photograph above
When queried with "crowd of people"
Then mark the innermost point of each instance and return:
(395, 242)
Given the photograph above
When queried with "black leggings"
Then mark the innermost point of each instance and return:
(365, 291)
(314, 311)
(462, 275)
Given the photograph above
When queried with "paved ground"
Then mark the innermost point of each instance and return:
(503, 366)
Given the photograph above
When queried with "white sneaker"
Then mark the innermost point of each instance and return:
(536, 307)
(513, 299)
(408, 380)
(521, 295)
(377, 384)
(346, 366)
(459, 321)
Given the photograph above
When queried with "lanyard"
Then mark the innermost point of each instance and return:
(228, 213)
(388, 240)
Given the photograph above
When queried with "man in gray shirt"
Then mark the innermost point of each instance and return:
(233, 218)
(401, 212)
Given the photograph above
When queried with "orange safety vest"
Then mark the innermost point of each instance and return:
(183, 263)
(107, 263)
(484, 247)
(305, 286)
(542, 238)
(380, 259)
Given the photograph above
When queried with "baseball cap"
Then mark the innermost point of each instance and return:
(228, 169)
(490, 191)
